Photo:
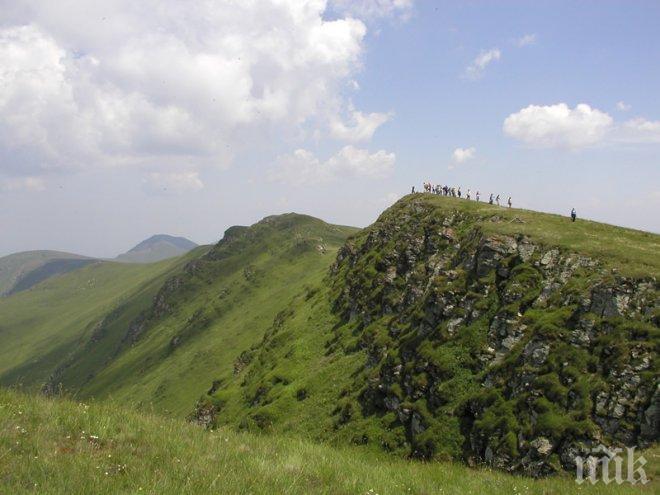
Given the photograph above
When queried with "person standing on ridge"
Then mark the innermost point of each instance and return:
(490, 200)
(573, 215)
(467, 196)
(459, 192)
(509, 201)
(477, 196)
(413, 190)
(497, 200)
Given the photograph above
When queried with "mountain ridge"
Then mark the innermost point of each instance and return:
(450, 329)
(438, 332)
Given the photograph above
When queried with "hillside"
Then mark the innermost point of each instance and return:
(455, 330)
(447, 330)
(157, 248)
(39, 328)
(20, 271)
(205, 315)
(160, 345)
(57, 446)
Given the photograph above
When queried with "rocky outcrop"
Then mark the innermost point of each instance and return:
(495, 348)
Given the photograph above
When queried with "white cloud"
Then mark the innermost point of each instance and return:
(461, 155)
(31, 184)
(361, 126)
(172, 182)
(476, 68)
(528, 39)
(623, 106)
(639, 130)
(371, 9)
(558, 125)
(302, 167)
(163, 82)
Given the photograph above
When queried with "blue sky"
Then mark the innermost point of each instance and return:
(119, 125)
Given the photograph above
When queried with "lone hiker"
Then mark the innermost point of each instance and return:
(573, 215)
(413, 190)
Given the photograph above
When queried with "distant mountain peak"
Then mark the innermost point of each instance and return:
(156, 248)
(180, 242)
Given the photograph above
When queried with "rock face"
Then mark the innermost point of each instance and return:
(493, 348)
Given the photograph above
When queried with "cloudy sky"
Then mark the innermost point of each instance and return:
(122, 119)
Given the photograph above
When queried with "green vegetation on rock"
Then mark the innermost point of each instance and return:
(438, 335)
(448, 331)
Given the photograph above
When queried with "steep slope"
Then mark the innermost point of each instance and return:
(157, 248)
(58, 446)
(161, 350)
(451, 329)
(41, 327)
(20, 271)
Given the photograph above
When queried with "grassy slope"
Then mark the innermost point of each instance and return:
(293, 383)
(296, 378)
(238, 296)
(40, 327)
(56, 446)
(15, 266)
(632, 252)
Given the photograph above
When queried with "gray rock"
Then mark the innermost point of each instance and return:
(542, 446)
(416, 425)
(526, 251)
(549, 259)
(391, 403)
(536, 353)
(604, 302)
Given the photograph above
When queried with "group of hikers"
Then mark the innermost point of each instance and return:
(455, 192)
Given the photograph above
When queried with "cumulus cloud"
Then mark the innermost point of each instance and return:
(165, 82)
(302, 167)
(371, 9)
(462, 155)
(476, 69)
(361, 126)
(623, 106)
(31, 184)
(172, 182)
(528, 39)
(558, 125)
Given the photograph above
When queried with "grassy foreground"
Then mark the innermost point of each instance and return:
(58, 446)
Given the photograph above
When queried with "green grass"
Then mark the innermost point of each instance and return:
(55, 446)
(632, 252)
(220, 310)
(40, 327)
(321, 374)
(264, 294)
